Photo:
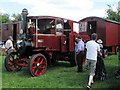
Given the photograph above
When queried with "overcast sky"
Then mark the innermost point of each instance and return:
(70, 9)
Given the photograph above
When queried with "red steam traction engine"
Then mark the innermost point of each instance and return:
(44, 40)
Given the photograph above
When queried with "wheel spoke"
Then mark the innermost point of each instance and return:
(43, 67)
(42, 61)
(10, 62)
(40, 72)
(35, 62)
(36, 71)
(34, 66)
(38, 59)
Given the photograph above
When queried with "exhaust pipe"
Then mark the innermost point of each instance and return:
(24, 18)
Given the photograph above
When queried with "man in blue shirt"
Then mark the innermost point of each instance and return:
(79, 49)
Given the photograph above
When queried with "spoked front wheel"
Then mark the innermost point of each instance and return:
(37, 65)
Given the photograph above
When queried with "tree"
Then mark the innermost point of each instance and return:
(112, 15)
(17, 17)
(5, 18)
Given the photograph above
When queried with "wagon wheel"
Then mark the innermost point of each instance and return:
(10, 62)
(37, 65)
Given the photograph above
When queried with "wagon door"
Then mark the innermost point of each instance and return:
(64, 44)
(91, 26)
(15, 32)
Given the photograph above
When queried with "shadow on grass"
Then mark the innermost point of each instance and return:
(24, 72)
(110, 82)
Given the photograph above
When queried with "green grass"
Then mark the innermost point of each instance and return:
(60, 76)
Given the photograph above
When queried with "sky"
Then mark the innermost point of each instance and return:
(69, 9)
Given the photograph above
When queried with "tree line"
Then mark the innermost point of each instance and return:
(5, 18)
(111, 15)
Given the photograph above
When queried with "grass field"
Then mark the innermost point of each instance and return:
(60, 76)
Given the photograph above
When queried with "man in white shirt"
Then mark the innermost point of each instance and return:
(9, 44)
(93, 49)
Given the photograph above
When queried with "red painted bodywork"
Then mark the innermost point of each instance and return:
(107, 30)
(54, 42)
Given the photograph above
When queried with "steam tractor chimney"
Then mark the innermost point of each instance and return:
(24, 15)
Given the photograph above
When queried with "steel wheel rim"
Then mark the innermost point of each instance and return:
(39, 65)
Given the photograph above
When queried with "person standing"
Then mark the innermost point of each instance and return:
(93, 49)
(100, 42)
(9, 45)
(79, 50)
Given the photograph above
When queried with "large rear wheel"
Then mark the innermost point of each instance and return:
(37, 65)
(10, 62)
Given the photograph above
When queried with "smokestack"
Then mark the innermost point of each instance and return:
(24, 15)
